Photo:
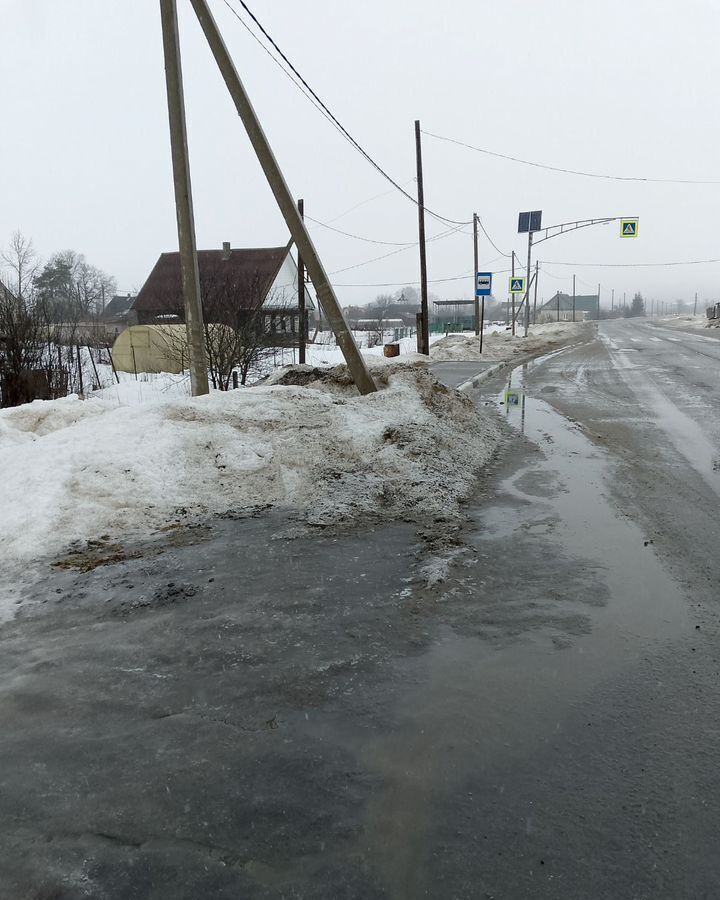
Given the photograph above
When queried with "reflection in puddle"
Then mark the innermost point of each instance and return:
(473, 706)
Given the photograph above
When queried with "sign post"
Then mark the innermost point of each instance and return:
(483, 289)
(528, 222)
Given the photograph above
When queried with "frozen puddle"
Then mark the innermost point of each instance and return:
(567, 487)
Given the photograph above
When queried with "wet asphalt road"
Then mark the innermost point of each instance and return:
(301, 718)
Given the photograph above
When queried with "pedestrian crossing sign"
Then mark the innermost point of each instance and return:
(628, 228)
(517, 285)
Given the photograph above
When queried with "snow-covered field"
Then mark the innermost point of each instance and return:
(501, 345)
(75, 471)
(698, 322)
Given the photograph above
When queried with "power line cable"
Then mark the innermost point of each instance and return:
(357, 237)
(369, 199)
(402, 249)
(430, 281)
(492, 242)
(686, 262)
(565, 277)
(367, 240)
(318, 103)
(536, 165)
(277, 62)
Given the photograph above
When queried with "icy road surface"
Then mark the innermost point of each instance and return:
(252, 716)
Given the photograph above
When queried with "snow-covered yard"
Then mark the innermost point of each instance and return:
(78, 470)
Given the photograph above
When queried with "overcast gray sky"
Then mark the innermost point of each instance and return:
(613, 87)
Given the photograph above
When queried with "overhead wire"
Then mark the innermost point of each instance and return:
(402, 249)
(686, 262)
(566, 171)
(370, 199)
(358, 237)
(430, 281)
(299, 81)
(564, 277)
(492, 242)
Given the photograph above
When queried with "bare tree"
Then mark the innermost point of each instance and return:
(243, 322)
(21, 329)
(39, 356)
(21, 265)
(380, 312)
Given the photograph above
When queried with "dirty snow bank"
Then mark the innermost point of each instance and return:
(501, 346)
(76, 470)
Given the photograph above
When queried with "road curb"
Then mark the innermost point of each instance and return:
(483, 376)
(509, 363)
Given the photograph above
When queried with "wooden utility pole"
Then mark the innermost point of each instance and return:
(424, 337)
(301, 296)
(183, 201)
(573, 298)
(285, 201)
(598, 303)
(475, 272)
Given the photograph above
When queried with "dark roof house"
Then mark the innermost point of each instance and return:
(118, 310)
(560, 308)
(232, 283)
(587, 303)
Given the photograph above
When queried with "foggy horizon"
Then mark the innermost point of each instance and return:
(87, 165)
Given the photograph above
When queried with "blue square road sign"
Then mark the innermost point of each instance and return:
(483, 284)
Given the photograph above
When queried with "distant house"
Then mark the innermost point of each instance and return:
(374, 324)
(118, 314)
(258, 284)
(560, 308)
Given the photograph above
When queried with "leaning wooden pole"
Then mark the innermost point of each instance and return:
(286, 202)
(183, 201)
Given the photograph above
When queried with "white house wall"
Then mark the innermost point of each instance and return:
(284, 291)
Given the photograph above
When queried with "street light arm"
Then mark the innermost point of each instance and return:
(567, 227)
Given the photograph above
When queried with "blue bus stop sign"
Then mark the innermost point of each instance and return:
(483, 284)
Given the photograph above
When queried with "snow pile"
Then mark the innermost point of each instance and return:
(323, 351)
(77, 470)
(687, 322)
(502, 346)
(147, 388)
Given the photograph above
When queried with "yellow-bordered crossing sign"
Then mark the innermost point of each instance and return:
(517, 285)
(629, 228)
